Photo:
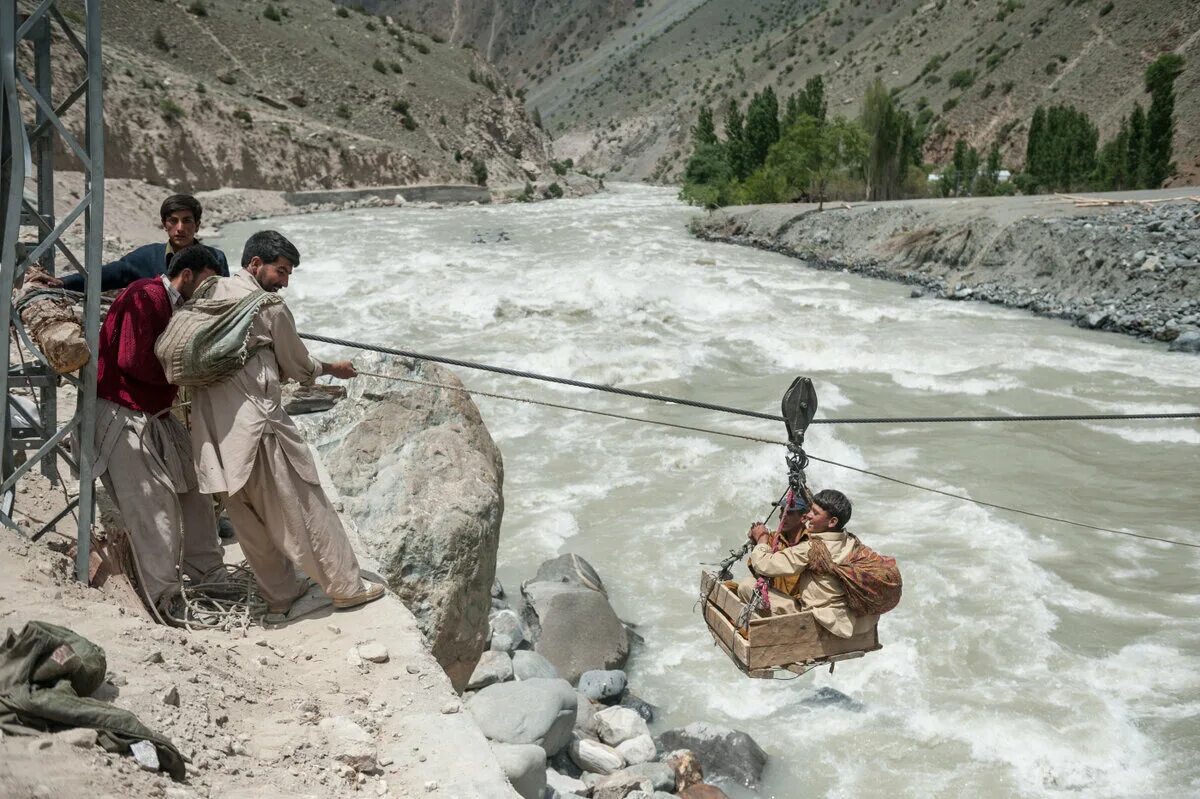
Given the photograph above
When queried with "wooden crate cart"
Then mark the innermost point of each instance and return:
(793, 642)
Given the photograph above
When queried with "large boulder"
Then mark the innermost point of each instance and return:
(421, 478)
(724, 752)
(574, 628)
(535, 711)
(525, 767)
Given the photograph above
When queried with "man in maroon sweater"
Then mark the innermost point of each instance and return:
(143, 454)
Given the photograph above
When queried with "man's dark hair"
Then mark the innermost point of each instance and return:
(269, 245)
(197, 258)
(835, 503)
(180, 202)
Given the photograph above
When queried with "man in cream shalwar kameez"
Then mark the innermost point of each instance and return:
(247, 446)
(823, 594)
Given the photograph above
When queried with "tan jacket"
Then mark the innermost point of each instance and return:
(823, 594)
(231, 417)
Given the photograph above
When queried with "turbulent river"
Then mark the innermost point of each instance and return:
(1027, 658)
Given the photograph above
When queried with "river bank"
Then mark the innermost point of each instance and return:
(1131, 268)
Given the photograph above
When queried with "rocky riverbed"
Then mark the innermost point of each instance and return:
(1131, 268)
(552, 697)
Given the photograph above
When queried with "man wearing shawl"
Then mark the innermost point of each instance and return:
(248, 447)
(783, 559)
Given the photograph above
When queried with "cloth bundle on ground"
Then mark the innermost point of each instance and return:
(47, 676)
(206, 340)
(872, 581)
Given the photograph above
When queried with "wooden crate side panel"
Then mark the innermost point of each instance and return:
(723, 629)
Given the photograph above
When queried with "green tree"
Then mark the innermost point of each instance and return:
(704, 131)
(806, 158)
(708, 177)
(762, 127)
(1061, 153)
(810, 101)
(988, 181)
(1137, 141)
(961, 174)
(893, 143)
(735, 139)
(1155, 163)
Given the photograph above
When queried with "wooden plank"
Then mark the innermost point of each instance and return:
(799, 629)
(724, 629)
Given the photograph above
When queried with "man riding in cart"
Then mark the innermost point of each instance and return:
(810, 563)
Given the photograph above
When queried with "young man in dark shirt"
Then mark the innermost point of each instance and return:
(180, 215)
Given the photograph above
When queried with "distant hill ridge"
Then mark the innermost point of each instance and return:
(618, 82)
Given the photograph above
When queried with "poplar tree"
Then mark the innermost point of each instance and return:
(762, 127)
(704, 132)
(1155, 162)
(735, 139)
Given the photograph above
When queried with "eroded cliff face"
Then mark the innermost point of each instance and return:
(421, 478)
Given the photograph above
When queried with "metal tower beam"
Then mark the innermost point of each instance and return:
(27, 153)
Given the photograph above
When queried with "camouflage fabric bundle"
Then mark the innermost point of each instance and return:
(872, 581)
(207, 340)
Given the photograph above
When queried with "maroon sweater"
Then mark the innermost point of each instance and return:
(129, 372)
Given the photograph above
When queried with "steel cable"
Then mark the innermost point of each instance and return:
(776, 442)
(709, 406)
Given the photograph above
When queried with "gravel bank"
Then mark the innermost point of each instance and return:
(1132, 268)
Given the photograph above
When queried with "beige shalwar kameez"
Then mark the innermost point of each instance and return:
(823, 594)
(248, 447)
(145, 463)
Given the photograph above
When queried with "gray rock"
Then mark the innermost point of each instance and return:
(1187, 341)
(639, 749)
(535, 711)
(493, 667)
(525, 767)
(602, 685)
(348, 743)
(420, 476)
(643, 708)
(528, 665)
(570, 569)
(497, 589)
(594, 756)
(563, 784)
(831, 697)
(373, 652)
(615, 725)
(647, 777)
(724, 752)
(585, 716)
(575, 628)
(507, 632)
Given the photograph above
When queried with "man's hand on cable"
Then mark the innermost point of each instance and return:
(343, 369)
(758, 532)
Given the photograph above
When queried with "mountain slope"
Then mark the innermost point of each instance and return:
(297, 94)
(618, 82)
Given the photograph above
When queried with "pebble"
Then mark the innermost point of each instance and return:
(374, 652)
(171, 697)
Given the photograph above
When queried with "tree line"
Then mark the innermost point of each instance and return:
(771, 154)
(797, 153)
(1062, 153)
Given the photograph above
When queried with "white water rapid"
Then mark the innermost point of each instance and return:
(1027, 658)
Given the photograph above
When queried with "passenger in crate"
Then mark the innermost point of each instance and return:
(794, 562)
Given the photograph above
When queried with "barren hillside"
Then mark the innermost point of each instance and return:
(618, 82)
(297, 94)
